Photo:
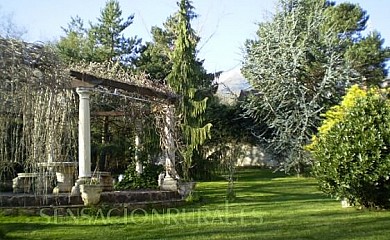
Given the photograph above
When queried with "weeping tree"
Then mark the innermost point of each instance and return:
(299, 66)
(185, 79)
(37, 122)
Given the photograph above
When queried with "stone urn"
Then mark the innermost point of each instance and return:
(185, 188)
(90, 194)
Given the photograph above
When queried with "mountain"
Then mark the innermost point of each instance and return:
(230, 85)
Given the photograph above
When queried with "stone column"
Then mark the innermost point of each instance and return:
(138, 164)
(84, 139)
(169, 181)
(84, 133)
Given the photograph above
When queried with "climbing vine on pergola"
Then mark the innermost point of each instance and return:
(38, 103)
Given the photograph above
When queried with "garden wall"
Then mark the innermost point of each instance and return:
(254, 155)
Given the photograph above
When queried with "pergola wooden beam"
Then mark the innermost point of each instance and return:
(108, 114)
(85, 79)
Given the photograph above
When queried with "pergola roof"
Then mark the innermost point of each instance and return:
(38, 65)
(88, 80)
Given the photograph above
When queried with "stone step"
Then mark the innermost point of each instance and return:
(101, 210)
(62, 199)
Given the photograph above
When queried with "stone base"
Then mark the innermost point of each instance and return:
(76, 188)
(169, 184)
(24, 182)
(117, 198)
(65, 181)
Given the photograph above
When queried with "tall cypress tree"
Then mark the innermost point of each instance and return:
(185, 79)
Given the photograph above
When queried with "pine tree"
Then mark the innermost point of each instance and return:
(365, 54)
(103, 41)
(185, 79)
(108, 33)
(77, 45)
(368, 58)
(155, 58)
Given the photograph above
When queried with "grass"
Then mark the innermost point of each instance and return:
(267, 206)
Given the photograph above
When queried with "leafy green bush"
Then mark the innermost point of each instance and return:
(352, 149)
(146, 180)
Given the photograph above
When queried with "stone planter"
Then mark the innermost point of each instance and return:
(64, 174)
(185, 188)
(90, 194)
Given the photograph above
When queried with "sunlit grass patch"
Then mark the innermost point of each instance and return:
(267, 206)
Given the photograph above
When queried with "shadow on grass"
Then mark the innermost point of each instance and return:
(61, 230)
(255, 174)
(277, 229)
(268, 206)
(6, 229)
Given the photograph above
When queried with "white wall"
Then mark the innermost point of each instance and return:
(252, 155)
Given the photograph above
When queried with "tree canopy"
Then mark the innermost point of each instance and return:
(155, 59)
(101, 41)
(299, 65)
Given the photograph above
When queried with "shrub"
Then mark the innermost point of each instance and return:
(146, 180)
(351, 149)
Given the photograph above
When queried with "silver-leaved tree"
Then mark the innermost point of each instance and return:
(298, 68)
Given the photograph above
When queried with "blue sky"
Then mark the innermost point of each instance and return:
(224, 25)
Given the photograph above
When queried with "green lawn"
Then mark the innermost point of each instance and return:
(268, 206)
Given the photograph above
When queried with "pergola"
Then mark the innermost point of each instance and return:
(37, 89)
(84, 84)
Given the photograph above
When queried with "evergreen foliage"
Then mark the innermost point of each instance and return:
(351, 149)
(304, 58)
(156, 56)
(296, 71)
(365, 54)
(108, 33)
(186, 77)
(78, 44)
(146, 180)
(102, 41)
(155, 59)
(368, 57)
